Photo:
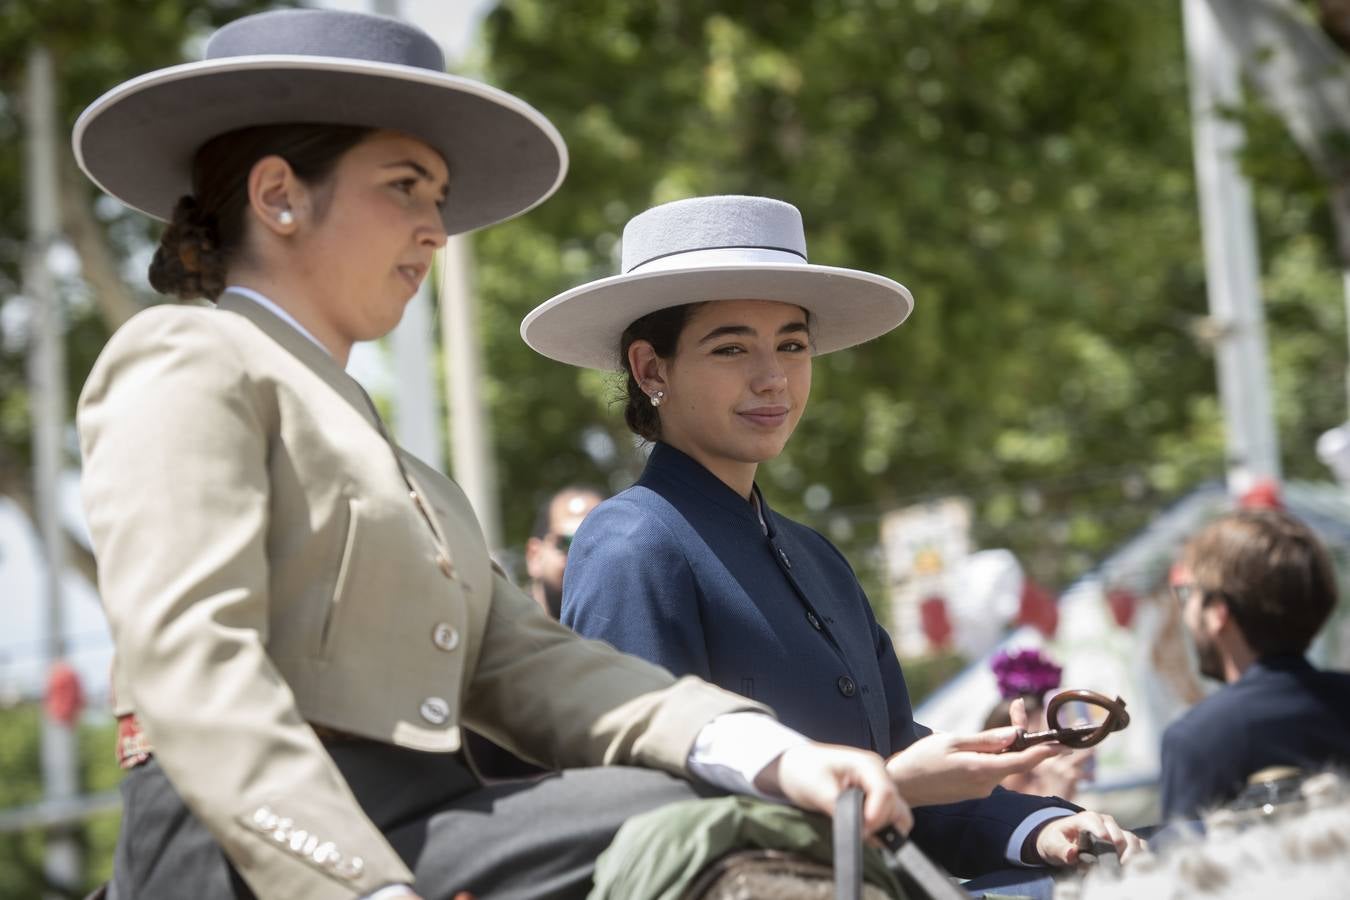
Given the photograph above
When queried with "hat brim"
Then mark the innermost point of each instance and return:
(582, 327)
(137, 141)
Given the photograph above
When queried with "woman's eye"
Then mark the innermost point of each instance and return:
(406, 185)
(729, 350)
(793, 347)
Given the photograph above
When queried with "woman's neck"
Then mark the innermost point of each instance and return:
(293, 298)
(737, 475)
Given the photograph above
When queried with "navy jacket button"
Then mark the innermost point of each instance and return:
(815, 622)
(846, 686)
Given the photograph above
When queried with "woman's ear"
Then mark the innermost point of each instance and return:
(649, 370)
(275, 195)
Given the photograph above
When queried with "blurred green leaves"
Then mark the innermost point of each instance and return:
(1024, 169)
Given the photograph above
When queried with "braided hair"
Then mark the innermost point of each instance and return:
(206, 234)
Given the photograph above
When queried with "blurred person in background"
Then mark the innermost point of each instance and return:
(1026, 678)
(556, 522)
(715, 321)
(1254, 588)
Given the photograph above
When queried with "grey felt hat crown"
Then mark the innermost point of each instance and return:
(138, 140)
(714, 248)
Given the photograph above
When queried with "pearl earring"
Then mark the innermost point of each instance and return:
(658, 398)
(286, 217)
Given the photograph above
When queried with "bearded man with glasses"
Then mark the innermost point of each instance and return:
(1254, 587)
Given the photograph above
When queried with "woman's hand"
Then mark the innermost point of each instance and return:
(1061, 776)
(945, 768)
(1057, 842)
(812, 776)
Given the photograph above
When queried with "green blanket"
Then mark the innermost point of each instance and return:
(656, 855)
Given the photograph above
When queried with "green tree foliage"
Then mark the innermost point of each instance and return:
(1025, 169)
(95, 44)
(21, 785)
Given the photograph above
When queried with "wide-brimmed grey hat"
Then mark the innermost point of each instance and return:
(714, 248)
(137, 141)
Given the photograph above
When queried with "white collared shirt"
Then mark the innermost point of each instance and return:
(275, 309)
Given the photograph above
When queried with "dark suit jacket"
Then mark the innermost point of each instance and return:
(1281, 712)
(677, 569)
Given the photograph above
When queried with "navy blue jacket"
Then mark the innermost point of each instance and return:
(677, 569)
(1280, 712)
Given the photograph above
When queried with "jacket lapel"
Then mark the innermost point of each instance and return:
(303, 349)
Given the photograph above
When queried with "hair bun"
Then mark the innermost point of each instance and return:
(188, 262)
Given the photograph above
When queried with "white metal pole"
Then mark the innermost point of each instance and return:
(47, 390)
(416, 404)
(470, 439)
(1231, 262)
(417, 415)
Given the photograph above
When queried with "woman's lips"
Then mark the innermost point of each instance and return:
(765, 416)
(413, 274)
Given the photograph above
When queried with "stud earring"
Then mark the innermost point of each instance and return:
(286, 217)
(658, 398)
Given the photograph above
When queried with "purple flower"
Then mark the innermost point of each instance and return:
(1024, 672)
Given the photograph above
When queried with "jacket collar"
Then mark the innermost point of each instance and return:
(1276, 662)
(677, 467)
(302, 348)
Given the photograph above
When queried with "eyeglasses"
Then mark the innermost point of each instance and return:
(1183, 592)
(563, 542)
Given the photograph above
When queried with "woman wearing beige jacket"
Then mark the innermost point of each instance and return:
(303, 613)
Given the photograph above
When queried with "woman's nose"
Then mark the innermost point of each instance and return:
(434, 237)
(432, 231)
(769, 377)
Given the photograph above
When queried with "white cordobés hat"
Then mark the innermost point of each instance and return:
(312, 66)
(714, 248)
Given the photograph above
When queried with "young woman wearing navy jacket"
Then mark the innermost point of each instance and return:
(715, 321)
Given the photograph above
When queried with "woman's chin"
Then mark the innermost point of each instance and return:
(388, 319)
(767, 448)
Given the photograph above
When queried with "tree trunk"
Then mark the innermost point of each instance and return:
(1334, 16)
(112, 297)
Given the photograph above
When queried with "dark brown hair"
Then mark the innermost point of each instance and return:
(207, 232)
(1271, 571)
(662, 330)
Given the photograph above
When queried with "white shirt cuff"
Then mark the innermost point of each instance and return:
(1019, 836)
(731, 750)
(390, 891)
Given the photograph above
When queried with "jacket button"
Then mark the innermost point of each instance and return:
(349, 868)
(445, 636)
(846, 686)
(782, 554)
(811, 617)
(444, 564)
(435, 710)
